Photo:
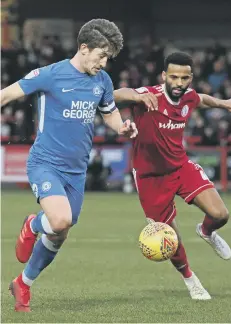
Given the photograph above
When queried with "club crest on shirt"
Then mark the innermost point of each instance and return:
(184, 111)
(32, 74)
(97, 90)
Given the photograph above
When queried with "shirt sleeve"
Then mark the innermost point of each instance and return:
(143, 90)
(196, 98)
(107, 104)
(36, 80)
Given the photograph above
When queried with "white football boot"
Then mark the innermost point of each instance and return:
(218, 244)
(196, 290)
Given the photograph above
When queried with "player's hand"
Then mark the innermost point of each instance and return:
(150, 100)
(128, 129)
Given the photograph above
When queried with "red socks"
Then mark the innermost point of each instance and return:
(210, 224)
(180, 262)
(21, 282)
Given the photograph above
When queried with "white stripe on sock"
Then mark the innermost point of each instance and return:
(181, 267)
(46, 225)
(48, 244)
(32, 228)
(26, 280)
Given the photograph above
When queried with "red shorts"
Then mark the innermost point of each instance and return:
(157, 193)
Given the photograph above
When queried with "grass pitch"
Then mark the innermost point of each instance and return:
(100, 276)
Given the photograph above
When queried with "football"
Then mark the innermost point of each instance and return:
(158, 241)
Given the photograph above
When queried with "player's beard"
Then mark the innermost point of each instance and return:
(175, 97)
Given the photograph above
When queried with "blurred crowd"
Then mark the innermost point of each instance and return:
(139, 64)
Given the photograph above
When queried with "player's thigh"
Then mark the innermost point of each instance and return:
(156, 196)
(48, 187)
(210, 202)
(58, 211)
(192, 181)
(75, 198)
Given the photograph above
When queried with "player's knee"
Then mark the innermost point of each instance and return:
(58, 240)
(221, 214)
(60, 225)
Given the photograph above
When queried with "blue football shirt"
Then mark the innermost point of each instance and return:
(67, 103)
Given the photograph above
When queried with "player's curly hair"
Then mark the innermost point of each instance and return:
(178, 58)
(101, 33)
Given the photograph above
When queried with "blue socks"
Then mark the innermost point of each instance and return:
(44, 250)
(43, 254)
(40, 224)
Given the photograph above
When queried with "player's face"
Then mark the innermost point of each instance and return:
(95, 60)
(177, 79)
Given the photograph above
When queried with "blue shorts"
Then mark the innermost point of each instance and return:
(45, 181)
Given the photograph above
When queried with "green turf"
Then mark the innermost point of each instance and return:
(101, 276)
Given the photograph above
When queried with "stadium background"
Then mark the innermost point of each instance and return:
(32, 38)
(37, 33)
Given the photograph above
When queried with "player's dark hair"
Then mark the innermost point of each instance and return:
(101, 33)
(178, 58)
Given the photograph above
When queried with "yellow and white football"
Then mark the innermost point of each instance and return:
(158, 241)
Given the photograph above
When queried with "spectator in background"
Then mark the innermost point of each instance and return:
(219, 75)
(123, 84)
(24, 105)
(7, 121)
(226, 89)
(110, 136)
(150, 73)
(32, 57)
(209, 137)
(47, 53)
(134, 75)
(5, 128)
(204, 87)
(138, 65)
(214, 115)
(58, 49)
(19, 128)
(198, 128)
(22, 66)
(100, 127)
(224, 130)
(124, 79)
(97, 174)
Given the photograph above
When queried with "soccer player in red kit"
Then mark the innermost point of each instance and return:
(161, 166)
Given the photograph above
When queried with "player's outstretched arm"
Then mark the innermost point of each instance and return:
(149, 99)
(114, 121)
(10, 93)
(126, 95)
(207, 101)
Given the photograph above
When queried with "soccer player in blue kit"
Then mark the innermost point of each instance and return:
(69, 92)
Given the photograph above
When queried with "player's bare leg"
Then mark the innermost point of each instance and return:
(54, 225)
(217, 215)
(53, 220)
(44, 252)
(180, 262)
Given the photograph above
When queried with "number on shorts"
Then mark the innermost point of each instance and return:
(204, 175)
